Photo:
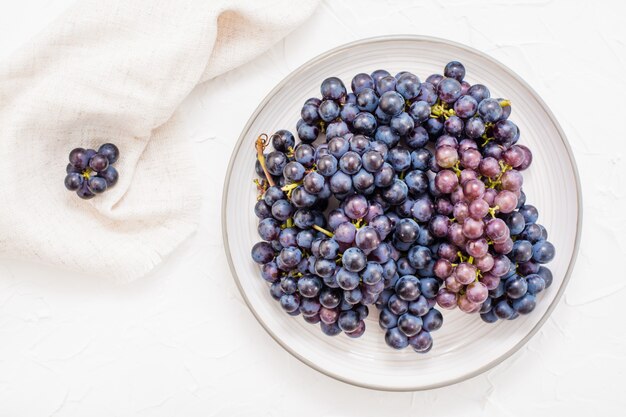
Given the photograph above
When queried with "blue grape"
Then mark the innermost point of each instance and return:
(449, 90)
(290, 302)
(372, 273)
(365, 123)
(348, 321)
(428, 93)
(367, 100)
(489, 317)
(338, 128)
(421, 159)
(110, 175)
(428, 286)
(309, 286)
(396, 193)
(419, 111)
(378, 74)
(362, 81)
(396, 339)
(328, 110)
(532, 233)
(408, 85)
(407, 288)
(419, 307)
(417, 182)
(503, 310)
(387, 319)
(262, 252)
(354, 260)
(423, 209)
(490, 110)
(282, 140)
(332, 88)
(409, 324)
(479, 92)
(387, 135)
(397, 305)
(433, 126)
(530, 213)
(288, 237)
(97, 185)
(543, 252)
(466, 106)
(338, 147)
(522, 251)
(421, 342)
(432, 321)
(454, 69)
(110, 152)
(402, 124)
(399, 158)
(516, 286)
(474, 127)
(385, 84)
(536, 283)
(525, 304)
(73, 181)
(391, 103)
(330, 329)
(419, 256)
(359, 144)
(325, 268)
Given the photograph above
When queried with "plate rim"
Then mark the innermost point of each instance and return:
(562, 137)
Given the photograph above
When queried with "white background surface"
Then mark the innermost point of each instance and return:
(181, 342)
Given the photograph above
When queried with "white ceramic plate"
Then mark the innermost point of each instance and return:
(465, 346)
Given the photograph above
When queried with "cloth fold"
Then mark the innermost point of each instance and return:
(116, 71)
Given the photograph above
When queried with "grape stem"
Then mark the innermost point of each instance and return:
(87, 173)
(439, 109)
(492, 211)
(261, 186)
(320, 229)
(456, 168)
(290, 187)
(478, 275)
(261, 143)
(505, 103)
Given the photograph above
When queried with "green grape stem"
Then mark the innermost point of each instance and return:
(260, 144)
(320, 229)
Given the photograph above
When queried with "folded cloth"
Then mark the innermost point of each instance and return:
(116, 71)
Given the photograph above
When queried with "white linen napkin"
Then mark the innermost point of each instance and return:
(116, 71)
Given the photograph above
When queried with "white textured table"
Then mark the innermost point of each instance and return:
(181, 342)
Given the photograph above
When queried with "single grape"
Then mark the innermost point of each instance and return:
(454, 69)
(449, 90)
(396, 339)
(543, 252)
(110, 152)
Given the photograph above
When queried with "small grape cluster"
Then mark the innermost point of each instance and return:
(90, 172)
(413, 200)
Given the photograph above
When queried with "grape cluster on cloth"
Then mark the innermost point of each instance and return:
(90, 172)
(413, 200)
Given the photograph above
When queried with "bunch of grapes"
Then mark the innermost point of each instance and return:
(413, 199)
(90, 172)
